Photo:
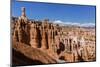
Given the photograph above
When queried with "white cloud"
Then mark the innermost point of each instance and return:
(58, 21)
(74, 23)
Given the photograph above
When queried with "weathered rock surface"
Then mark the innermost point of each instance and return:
(24, 54)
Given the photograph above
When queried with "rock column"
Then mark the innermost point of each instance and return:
(34, 39)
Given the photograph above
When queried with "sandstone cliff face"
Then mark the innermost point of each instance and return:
(24, 54)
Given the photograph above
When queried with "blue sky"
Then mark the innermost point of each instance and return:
(62, 12)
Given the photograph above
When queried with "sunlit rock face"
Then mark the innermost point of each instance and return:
(63, 44)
